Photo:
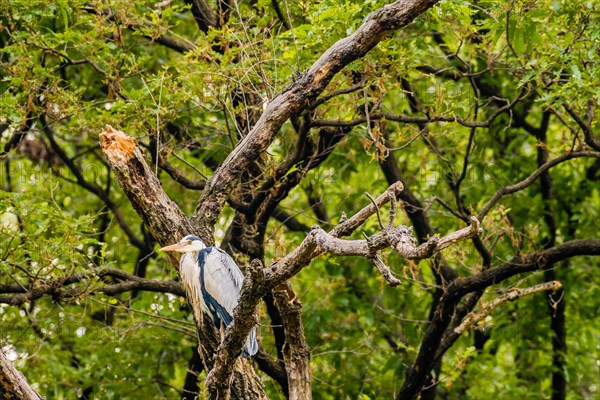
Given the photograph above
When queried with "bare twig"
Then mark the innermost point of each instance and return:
(421, 120)
(385, 270)
(376, 209)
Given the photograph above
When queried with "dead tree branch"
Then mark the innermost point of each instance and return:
(166, 221)
(473, 318)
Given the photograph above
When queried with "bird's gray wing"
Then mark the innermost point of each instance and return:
(223, 282)
(222, 279)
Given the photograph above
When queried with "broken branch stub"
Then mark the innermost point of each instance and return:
(163, 218)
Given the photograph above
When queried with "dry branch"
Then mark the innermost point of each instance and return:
(160, 214)
(257, 286)
(513, 294)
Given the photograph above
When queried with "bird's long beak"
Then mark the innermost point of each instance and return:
(173, 247)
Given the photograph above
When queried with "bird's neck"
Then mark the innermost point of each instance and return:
(190, 274)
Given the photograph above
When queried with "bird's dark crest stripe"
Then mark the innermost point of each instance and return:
(192, 237)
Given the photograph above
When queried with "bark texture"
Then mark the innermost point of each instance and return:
(13, 385)
(296, 352)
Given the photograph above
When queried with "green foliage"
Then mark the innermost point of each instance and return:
(74, 66)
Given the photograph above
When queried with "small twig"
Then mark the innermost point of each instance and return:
(385, 270)
(393, 210)
(376, 208)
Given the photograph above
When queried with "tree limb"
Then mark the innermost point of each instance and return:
(203, 14)
(167, 223)
(59, 289)
(259, 281)
(531, 178)
(416, 374)
(13, 385)
(296, 352)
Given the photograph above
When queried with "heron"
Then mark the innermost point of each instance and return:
(212, 277)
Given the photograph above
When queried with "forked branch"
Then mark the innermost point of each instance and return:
(316, 243)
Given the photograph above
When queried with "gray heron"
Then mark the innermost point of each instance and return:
(212, 277)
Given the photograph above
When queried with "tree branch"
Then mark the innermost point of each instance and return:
(167, 223)
(203, 14)
(164, 39)
(90, 187)
(524, 263)
(513, 294)
(58, 289)
(296, 353)
(13, 385)
(259, 281)
(531, 178)
(410, 119)
(421, 367)
(295, 98)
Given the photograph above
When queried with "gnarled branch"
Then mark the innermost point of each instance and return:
(316, 242)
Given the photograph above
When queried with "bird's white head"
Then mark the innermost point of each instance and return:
(187, 244)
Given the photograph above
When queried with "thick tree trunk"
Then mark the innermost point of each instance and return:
(296, 353)
(13, 384)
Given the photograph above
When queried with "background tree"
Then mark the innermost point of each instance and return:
(261, 120)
